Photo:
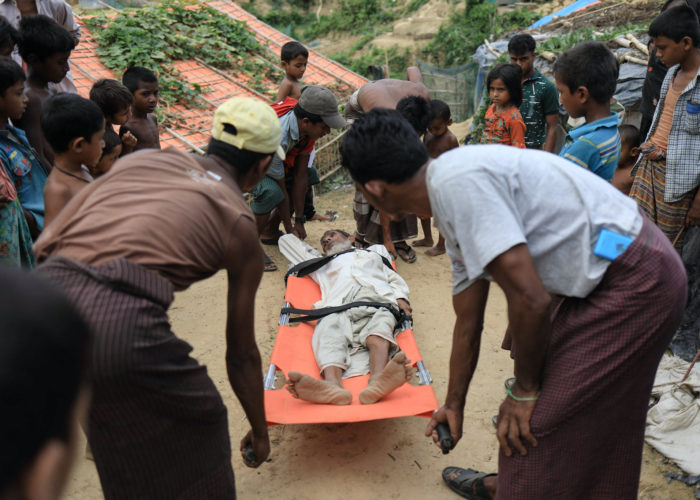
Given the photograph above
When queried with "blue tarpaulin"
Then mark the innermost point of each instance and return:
(578, 5)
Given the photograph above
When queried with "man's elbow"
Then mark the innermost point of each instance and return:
(535, 301)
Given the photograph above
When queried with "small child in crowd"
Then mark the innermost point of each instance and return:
(665, 182)
(504, 124)
(9, 36)
(110, 152)
(16, 154)
(437, 139)
(629, 150)
(74, 127)
(143, 84)
(586, 77)
(45, 46)
(294, 58)
(115, 101)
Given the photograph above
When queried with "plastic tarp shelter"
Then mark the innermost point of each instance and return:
(569, 9)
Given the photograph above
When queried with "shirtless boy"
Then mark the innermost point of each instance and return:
(115, 101)
(45, 46)
(143, 124)
(294, 58)
(438, 139)
(74, 127)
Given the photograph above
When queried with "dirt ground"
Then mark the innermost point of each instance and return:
(375, 460)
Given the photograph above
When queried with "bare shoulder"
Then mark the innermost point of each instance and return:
(452, 141)
(152, 120)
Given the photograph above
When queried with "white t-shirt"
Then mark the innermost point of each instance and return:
(487, 199)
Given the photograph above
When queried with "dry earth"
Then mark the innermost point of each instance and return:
(375, 460)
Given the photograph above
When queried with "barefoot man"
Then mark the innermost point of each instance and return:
(158, 222)
(357, 340)
(595, 292)
(374, 226)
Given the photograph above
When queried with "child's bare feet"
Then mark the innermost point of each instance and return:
(425, 242)
(317, 391)
(435, 251)
(393, 376)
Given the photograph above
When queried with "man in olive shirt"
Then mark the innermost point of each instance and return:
(540, 106)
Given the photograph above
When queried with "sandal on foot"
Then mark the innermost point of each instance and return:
(406, 253)
(269, 264)
(467, 483)
(272, 241)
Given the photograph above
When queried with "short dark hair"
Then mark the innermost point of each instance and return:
(111, 96)
(629, 134)
(693, 4)
(511, 76)
(301, 113)
(112, 140)
(590, 65)
(416, 110)
(42, 37)
(136, 74)
(240, 159)
(44, 352)
(521, 44)
(676, 24)
(8, 33)
(65, 117)
(290, 50)
(439, 109)
(382, 145)
(10, 73)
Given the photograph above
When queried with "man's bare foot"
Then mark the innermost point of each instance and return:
(435, 251)
(393, 376)
(317, 391)
(425, 242)
(329, 216)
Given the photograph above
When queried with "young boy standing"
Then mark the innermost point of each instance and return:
(143, 84)
(437, 139)
(666, 180)
(629, 138)
(45, 46)
(115, 101)
(74, 127)
(294, 59)
(586, 77)
(17, 156)
(540, 105)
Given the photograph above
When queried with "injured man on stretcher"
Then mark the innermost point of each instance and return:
(357, 340)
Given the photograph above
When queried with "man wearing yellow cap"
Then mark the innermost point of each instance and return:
(156, 223)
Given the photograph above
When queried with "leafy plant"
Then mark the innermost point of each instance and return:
(398, 61)
(157, 36)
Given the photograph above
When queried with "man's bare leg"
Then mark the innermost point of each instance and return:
(438, 249)
(427, 240)
(385, 376)
(327, 391)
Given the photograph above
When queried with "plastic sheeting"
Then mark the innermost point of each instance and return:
(569, 9)
(686, 341)
(673, 421)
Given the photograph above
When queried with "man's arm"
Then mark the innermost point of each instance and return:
(244, 263)
(385, 221)
(299, 186)
(550, 141)
(529, 324)
(469, 306)
(413, 74)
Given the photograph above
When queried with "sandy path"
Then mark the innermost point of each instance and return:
(380, 459)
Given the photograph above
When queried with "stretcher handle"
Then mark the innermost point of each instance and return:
(445, 438)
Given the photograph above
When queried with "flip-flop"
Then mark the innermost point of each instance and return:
(406, 253)
(269, 264)
(272, 241)
(467, 483)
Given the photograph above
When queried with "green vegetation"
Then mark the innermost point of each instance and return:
(158, 35)
(458, 38)
(558, 44)
(398, 61)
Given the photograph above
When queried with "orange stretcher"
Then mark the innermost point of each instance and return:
(292, 352)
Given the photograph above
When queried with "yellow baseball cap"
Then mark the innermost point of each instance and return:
(249, 124)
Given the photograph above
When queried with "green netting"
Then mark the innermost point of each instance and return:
(455, 86)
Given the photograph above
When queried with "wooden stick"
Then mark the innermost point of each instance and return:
(637, 44)
(622, 42)
(678, 236)
(691, 366)
(635, 60)
(491, 49)
(549, 56)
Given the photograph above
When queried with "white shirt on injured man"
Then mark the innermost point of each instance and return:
(351, 277)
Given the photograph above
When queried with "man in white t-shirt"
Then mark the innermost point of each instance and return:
(594, 290)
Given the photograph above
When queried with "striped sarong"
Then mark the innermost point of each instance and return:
(648, 191)
(157, 425)
(369, 227)
(599, 368)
